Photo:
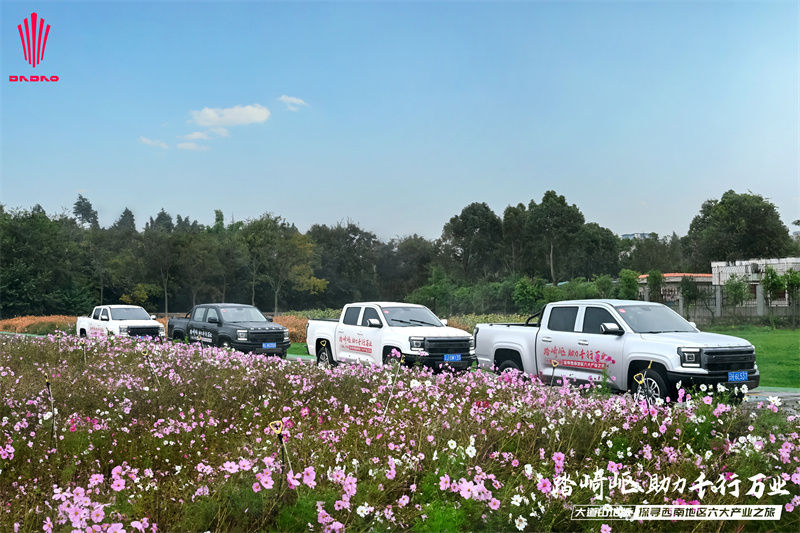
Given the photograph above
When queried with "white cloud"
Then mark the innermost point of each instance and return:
(150, 142)
(231, 116)
(192, 146)
(292, 102)
(197, 135)
(220, 132)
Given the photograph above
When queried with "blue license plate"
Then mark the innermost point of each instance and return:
(737, 376)
(269, 345)
(452, 357)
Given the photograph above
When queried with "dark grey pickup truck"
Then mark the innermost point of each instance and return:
(239, 326)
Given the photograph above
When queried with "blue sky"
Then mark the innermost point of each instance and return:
(398, 115)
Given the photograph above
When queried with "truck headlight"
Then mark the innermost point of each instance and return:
(286, 334)
(123, 330)
(416, 343)
(241, 334)
(161, 331)
(690, 357)
(472, 344)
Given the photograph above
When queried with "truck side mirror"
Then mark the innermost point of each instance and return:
(104, 318)
(610, 328)
(374, 323)
(213, 320)
(443, 321)
(152, 317)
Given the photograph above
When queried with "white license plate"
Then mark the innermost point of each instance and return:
(452, 357)
(269, 345)
(737, 376)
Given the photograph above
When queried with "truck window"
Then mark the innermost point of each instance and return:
(199, 314)
(96, 314)
(562, 318)
(351, 316)
(369, 313)
(212, 313)
(593, 317)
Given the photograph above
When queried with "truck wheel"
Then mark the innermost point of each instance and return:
(225, 343)
(83, 333)
(653, 387)
(324, 357)
(508, 364)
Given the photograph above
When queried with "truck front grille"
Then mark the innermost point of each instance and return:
(724, 359)
(438, 347)
(265, 336)
(143, 331)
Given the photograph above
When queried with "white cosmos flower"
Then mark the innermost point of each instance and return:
(452, 444)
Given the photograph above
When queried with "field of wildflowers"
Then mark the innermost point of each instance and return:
(115, 435)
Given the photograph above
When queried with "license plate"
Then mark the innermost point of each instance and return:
(737, 376)
(452, 357)
(269, 345)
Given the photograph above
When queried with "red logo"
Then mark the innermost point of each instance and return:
(33, 41)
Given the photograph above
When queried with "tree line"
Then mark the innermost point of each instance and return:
(483, 262)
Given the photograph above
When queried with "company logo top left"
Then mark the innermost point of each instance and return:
(34, 40)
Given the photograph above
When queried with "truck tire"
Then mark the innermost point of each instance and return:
(83, 334)
(653, 387)
(224, 343)
(324, 358)
(508, 364)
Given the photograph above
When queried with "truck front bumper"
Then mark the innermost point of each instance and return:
(712, 378)
(438, 363)
(257, 347)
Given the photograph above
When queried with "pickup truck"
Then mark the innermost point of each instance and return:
(368, 332)
(239, 326)
(122, 320)
(636, 344)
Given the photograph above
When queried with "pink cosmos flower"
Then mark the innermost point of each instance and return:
(707, 400)
(48, 525)
(116, 528)
(494, 504)
(605, 528)
(444, 482)
(118, 485)
(256, 487)
(138, 525)
(403, 501)
(309, 476)
(294, 479)
(544, 485)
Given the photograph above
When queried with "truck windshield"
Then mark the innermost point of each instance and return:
(241, 313)
(129, 313)
(410, 317)
(653, 319)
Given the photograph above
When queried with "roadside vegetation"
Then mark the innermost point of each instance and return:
(170, 437)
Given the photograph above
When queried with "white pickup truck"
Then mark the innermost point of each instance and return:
(637, 344)
(368, 332)
(121, 320)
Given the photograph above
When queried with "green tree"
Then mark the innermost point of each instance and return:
(736, 227)
(557, 223)
(161, 252)
(690, 293)
(84, 212)
(792, 281)
(604, 285)
(347, 257)
(528, 294)
(628, 284)
(774, 284)
(437, 294)
(655, 284)
(472, 239)
(736, 290)
(404, 264)
(290, 262)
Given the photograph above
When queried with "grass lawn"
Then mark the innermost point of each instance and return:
(777, 352)
(297, 348)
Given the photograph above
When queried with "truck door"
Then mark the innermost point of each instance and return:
(347, 335)
(211, 327)
(597, 350)
(369, 338)
(196, 324)
(556, 341)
